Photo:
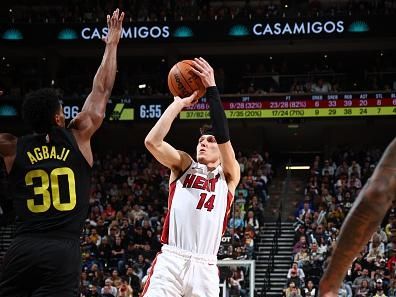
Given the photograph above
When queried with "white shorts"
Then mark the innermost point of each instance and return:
(175, 272)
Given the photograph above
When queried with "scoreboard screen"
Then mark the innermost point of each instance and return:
(235, 106)
(336, 105)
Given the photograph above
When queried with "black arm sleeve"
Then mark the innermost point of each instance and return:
(217, 115)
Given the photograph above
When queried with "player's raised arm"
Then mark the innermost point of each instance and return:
(363, 219)
(93, 111)
(219, 123)
(166, 154)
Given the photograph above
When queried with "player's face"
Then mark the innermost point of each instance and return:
(207, 149)
(60, 117)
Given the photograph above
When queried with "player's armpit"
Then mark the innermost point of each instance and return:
(86, 123)
(230, 165)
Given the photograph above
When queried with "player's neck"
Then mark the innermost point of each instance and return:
(213, 165)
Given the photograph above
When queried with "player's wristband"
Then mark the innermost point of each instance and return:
(217, 115)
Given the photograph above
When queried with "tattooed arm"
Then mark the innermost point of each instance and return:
(363, 219)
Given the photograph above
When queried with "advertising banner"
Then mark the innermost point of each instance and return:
(204, 31)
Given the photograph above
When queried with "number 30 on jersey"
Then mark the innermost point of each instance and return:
(50, 196)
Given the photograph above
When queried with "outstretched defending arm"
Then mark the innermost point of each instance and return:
(219, 123)
(93, 111)
(166, 154)
(363, 219)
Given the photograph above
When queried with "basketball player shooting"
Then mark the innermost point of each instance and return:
(363, 219)
(49, 173)
(200, 197)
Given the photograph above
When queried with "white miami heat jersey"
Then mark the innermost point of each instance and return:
(198, 207)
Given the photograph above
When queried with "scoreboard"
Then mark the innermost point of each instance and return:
(336, 105)
(236, 107)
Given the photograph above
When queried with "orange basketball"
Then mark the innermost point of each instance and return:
(182, 81)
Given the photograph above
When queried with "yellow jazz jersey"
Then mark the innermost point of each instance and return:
(49, 184)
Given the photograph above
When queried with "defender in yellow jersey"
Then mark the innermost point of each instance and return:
(49, 173)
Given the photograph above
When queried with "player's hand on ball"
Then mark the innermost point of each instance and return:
(187, 101)
(204, 71)
(114, 24)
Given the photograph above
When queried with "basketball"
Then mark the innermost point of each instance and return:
(182, 81)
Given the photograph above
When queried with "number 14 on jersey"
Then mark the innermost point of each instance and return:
(206, 203)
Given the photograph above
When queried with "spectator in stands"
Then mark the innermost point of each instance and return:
(96, 275)
(364, 277)
(367, 172)
(347, 201)
(354, 182)
(95, 237)
(133, 281)
(315, 254)
(109, 213)
(257, 209)
(235, 287)
(118, 254)
(302, 257)
(141, 266)
(108, 290)
(376, 248)
(92, 291)
(356, 269)
(322, 246)
(240, 195)
(379, 290)
(306, 211)
(327, 180)
(296, 275)
(381, 234)
(342, 169)
(236, 281)
(249, 244)
(310, 290)
(327, 198)
(391, 264)
(301, 243)
(392, 289)
(137, 214)
(327, 167)
(125, 291)
(236, 221)
(105, 252)
(292, 290)
(321, 86)
(363, 290)
(318, 234)
(345, 290)
(252, 221)
(354, 169)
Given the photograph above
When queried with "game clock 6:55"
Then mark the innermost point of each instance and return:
(150, 111)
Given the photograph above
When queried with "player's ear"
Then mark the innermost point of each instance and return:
(58, 119)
